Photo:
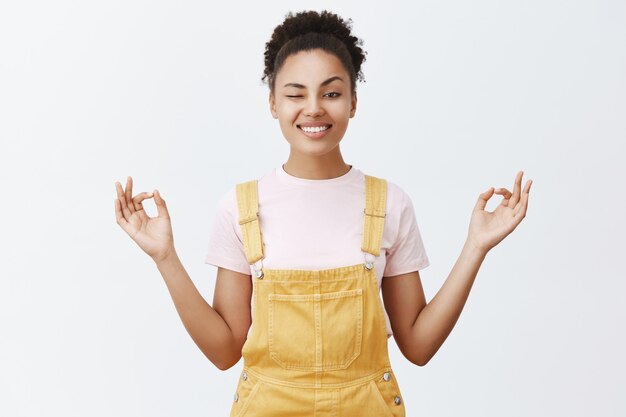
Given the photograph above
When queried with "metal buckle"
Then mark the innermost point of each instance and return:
(368, 260)
(258, 270)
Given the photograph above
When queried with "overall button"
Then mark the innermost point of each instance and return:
(397, 400)
(244, 375)
(386, 376)
(236, 397)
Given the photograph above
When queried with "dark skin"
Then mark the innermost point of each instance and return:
(220, 330)
(420, 328)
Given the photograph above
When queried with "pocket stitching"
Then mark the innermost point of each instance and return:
(246, 404)
(381, 399)
(274, 354)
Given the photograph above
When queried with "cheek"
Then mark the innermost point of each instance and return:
(287, 110)
(341, 107)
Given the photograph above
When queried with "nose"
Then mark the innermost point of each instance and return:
(313, 107)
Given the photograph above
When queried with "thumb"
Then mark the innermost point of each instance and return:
(483, 198)
(161, 206)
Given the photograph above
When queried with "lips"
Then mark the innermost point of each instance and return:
(315, 130)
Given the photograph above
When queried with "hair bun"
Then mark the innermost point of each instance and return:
(297, 26)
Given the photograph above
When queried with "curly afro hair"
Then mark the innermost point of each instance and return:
(308, 30)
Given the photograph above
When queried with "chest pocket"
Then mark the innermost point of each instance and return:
(315, 331)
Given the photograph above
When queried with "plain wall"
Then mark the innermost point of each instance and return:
(458, 97)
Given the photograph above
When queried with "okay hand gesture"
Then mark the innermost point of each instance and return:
(152, 234)
(487, 229)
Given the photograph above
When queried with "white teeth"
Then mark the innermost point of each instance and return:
(314, 129)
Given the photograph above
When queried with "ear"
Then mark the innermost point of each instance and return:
(272, 102)
(353, 105)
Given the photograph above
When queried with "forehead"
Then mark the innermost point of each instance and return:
(310, 67)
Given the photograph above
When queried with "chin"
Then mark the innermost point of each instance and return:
(312, 149)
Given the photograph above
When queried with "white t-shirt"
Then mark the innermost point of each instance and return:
(318, 224)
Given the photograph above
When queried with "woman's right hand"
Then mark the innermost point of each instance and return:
(152, 234)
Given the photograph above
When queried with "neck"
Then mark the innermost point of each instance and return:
(315, 167)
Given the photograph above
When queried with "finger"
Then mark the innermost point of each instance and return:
(516, 189)
(119, 215)
(129, 194)
(161, 206)
(139, 198)
(505, 193)
(483, 198)
(120, 196)
(519, 212)
(118, 211)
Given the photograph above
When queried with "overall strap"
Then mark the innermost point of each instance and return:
(248, 205)
(375, 206)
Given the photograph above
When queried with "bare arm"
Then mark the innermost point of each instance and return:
(419, 328)
(219, 331)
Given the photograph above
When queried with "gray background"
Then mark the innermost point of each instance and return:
(459, 97)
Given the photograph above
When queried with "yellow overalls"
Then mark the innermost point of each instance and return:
(317, 346)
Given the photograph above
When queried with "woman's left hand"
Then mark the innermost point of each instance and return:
(487, 229)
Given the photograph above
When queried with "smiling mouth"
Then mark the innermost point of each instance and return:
(314, 129)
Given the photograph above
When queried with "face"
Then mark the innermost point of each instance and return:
(313, 101)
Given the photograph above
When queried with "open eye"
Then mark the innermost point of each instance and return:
(335, 94)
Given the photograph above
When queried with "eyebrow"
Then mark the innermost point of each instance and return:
(328, 81)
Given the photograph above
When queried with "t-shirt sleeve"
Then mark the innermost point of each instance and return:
(407, 253)
(225, 248)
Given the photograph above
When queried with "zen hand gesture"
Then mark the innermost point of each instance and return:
(487, 229)
(152, 234)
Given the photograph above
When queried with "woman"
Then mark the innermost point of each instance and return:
(302, 252)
